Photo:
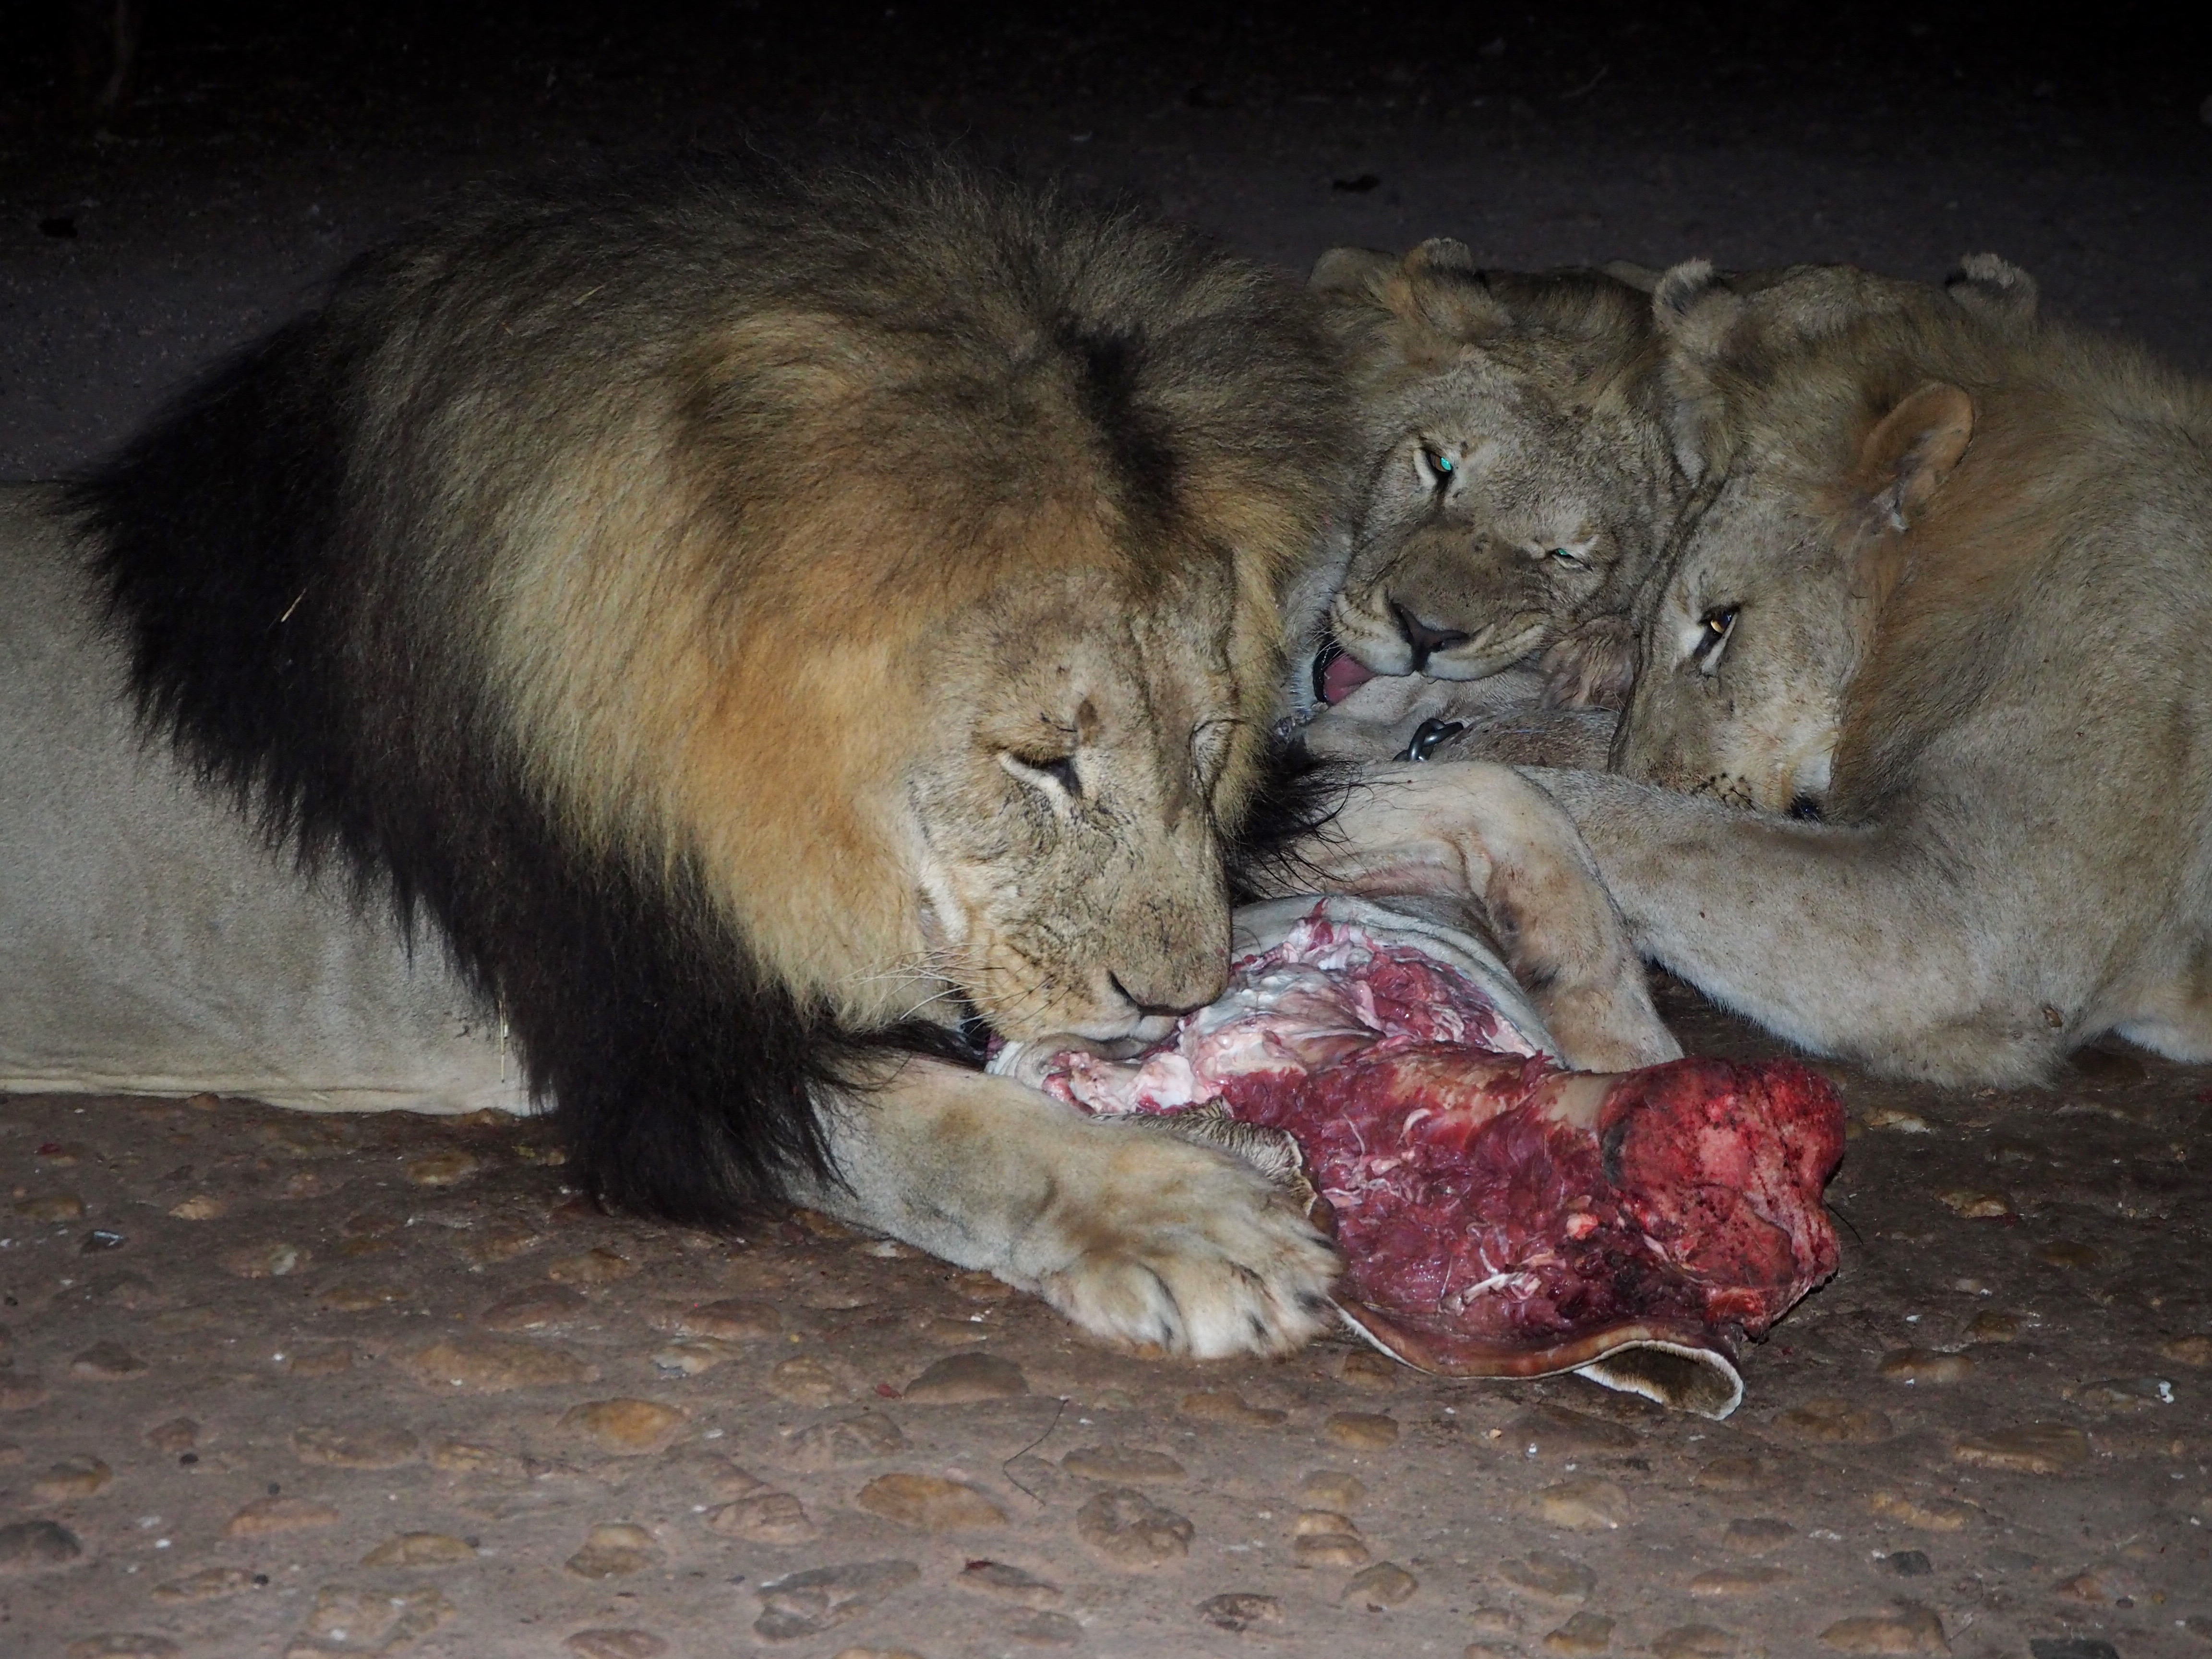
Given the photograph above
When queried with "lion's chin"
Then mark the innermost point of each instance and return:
(1101, 1028)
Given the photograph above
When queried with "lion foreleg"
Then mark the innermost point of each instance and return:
(1479, 832)
(1133, 1234)
(1858, 941)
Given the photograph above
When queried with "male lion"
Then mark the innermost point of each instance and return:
(767, 624)
(1981, 539)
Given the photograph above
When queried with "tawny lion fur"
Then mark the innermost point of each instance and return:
(1980, 541)
(1752, 715)
(1544, 397)
(767, 623)
(1519, 485)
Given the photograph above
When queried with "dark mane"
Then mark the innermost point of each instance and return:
(1298, 799)
(685, 1078)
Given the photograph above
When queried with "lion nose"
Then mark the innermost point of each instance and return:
(1169, 994)
(1423, 637)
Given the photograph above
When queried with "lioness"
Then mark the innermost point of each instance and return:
(1980, 542)
(780, 629)
(1519, 485)
(1757, 722)
(1759, 718)
(1524, 483)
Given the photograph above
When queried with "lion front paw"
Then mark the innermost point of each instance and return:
(1186, 1249)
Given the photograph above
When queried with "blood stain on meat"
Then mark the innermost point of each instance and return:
(1498, 1213)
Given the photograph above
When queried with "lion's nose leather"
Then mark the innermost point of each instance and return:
(1170, 987)
(1423, 637)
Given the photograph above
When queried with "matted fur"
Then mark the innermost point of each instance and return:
(1981, 540)
(758, 618)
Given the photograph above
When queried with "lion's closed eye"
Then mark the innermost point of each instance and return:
(1055, 776)
(1210, 744)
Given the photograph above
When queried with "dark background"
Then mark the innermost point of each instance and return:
(260, 144)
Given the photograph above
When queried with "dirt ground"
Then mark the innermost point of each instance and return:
(276, 1384)
(281, 1384)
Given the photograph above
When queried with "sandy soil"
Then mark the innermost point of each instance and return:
(272, 1384)
(282, 1384)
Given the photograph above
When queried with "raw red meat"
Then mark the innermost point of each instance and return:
(1497, 1213)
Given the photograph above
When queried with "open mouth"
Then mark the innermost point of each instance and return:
(982, 1039)
(1336, 673)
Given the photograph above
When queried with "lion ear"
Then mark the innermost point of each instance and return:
(1695, 310)
(1441, 254)
(1356, 273)
(1912, 449)
(1993, 287)
(1697, 317)
(1436, 286)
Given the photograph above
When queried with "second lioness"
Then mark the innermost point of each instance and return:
(1976, 548)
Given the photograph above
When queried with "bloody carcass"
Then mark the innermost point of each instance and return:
(1498, 1214)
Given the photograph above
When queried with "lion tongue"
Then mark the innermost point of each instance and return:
(1342, 677)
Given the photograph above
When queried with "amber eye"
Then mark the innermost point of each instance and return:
(1569, 558)
(1441, 467)
(1713, 629)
